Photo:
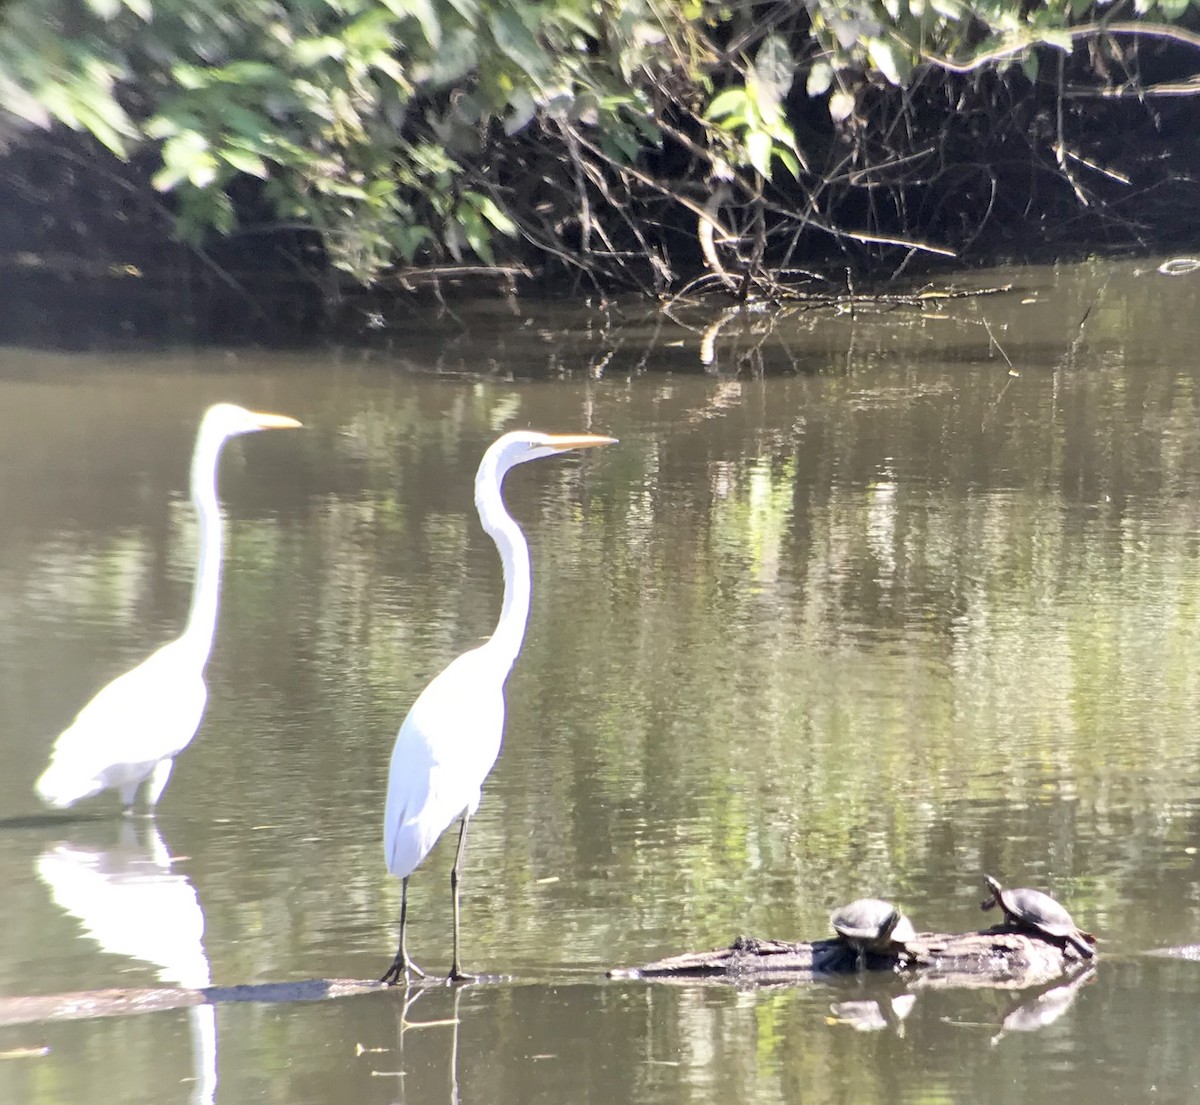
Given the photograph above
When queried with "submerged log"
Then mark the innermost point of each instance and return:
(118, 1003)
(997, 958)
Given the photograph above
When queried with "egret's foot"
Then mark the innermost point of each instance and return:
(457, 974)
(399, 970)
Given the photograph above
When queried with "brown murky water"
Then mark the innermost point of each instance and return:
(854, 609)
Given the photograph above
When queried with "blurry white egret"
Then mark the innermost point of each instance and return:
(451, 736)
(134, 727)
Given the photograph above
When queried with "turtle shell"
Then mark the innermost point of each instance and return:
(1037, 910)
(870, 921)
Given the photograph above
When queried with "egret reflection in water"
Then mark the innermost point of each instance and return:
(131, 902)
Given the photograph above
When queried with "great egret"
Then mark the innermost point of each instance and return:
(134, 727)
(451, 736)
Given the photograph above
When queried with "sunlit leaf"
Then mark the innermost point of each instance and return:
(841, 104)
(25, 106)
(758, 151)
(310, 51)
(883, 57)
(522, 108)
(774, 70)
(1059, 39)
(245, 162)
(424, 13)
(488, 209)
(820, 77)
(730, 102)
(105, 9)
(949, 9)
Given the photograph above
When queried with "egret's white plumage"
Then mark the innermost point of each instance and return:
(451, 736)
(133, 728)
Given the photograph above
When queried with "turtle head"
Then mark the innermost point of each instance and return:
(995, 888)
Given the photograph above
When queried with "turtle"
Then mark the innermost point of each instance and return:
(872, 925)
(1034, 911)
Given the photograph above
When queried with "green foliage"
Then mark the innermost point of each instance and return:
(363, 117)
(395, 128)
(893, 38)
(753, 114)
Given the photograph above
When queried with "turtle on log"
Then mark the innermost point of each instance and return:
(1033, 911)
(871, 925)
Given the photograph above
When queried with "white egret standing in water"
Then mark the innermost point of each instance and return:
(451, 736)
(134, 727)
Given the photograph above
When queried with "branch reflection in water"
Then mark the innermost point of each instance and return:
(132, 904)
(405, 1024)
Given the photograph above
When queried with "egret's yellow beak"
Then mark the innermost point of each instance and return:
(577, 441)
(274, 421)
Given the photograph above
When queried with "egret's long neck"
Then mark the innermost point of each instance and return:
(206, 591)
(505, 642)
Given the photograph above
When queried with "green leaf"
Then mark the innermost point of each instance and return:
(245, 162)
(307, 52)
(168, 178)
(883, 57)
(515, 41)
(841, 104)
(773, 71)
(820, 77)
(948, 9)
(1059, 39)
(790, 161)
(22, 104)
(105, 9)
(186, 157)
(103, 118)
(498, 219)
(620, 144)
(758, 150)
(733, 101)
(521, 109)
(409, 239)
(423, 12)
(254, 73)
(468, 9)
(476, 233)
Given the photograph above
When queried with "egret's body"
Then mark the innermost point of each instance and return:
(434, 779)
(451, 736)
(133, 729)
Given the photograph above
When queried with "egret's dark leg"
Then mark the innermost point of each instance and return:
(457, 974)
(401, 965)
